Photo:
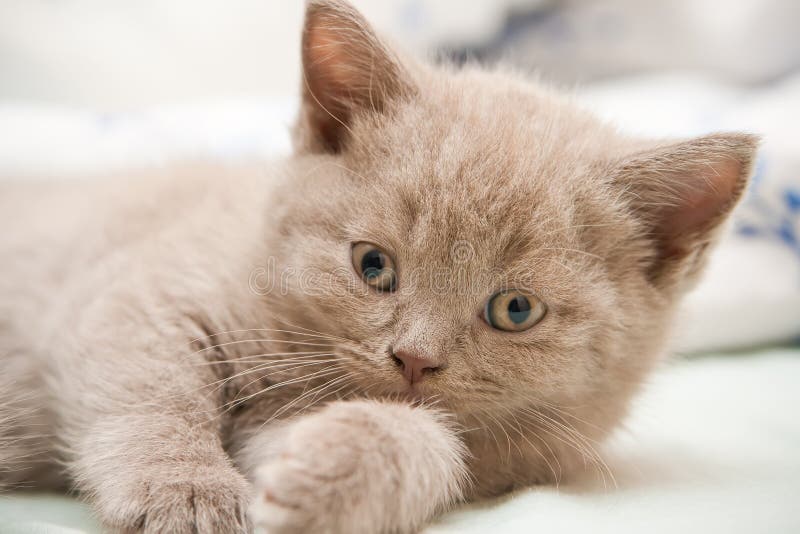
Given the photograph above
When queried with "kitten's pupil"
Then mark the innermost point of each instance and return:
(372, 264)
(519, 309)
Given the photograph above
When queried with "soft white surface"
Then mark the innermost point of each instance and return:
(147, 52)
(121, 55)
(713, 446)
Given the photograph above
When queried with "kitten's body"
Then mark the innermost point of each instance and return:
(142, 310)
(74, 249)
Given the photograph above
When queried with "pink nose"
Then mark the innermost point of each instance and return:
(414, 366)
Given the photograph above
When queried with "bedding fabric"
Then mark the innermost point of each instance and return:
(713, 445)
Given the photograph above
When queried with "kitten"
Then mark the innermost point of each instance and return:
(450, 290)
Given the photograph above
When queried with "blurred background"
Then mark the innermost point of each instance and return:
(119, 54)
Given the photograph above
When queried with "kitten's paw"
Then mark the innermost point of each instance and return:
(344, 470)
(287, 500)
(194, 502)
(313, 486)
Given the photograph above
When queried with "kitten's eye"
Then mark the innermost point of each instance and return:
(513, 311)
(374, 266)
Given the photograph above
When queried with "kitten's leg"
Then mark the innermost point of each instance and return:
(143, 443)
(154, 473)
(356, 467)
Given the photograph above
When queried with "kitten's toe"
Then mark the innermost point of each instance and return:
(195, 505)
(197, 508)
(286, 500)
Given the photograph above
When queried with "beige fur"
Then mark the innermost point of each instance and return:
(184, 388)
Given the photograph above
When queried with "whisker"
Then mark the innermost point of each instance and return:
(575, 440)
(262, 365)
(249, 330)
(518, 428)
(287, 323)
(253, 358)
(225, 408)
(316, 374)
(285, 368)
(316, 394)
(257, 340)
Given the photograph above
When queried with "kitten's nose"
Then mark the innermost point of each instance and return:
(414, 366)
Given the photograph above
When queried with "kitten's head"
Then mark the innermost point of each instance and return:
(481, 239)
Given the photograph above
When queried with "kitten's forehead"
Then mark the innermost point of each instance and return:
(478, 136)
(499, 111)
(452, 181)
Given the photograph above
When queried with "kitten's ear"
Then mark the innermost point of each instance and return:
(347, 70)
(682, 193)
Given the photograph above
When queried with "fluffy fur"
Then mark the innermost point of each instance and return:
(201, 346)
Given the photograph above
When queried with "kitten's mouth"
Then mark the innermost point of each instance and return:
(401, 389)
(416, 392)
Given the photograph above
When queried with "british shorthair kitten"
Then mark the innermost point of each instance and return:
(451, 289)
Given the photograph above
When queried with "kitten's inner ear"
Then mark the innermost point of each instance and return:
(683, 192)
(346, 71)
